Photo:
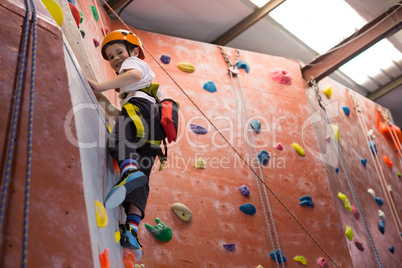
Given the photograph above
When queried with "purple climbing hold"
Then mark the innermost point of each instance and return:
(379, 201)
(198, 129)
(229, 246)
(210, 86)
(264, 157)
(381, 226)
(364, 162)
(355, 212)
(165, 58)
(248, 208)
(359, 245)
(322, 262)
(244, 190)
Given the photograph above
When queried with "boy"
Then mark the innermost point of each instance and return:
(124, 51)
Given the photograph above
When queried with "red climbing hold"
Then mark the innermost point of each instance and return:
(76, 14)
(355, 212)
(387, 161)
(96, 42)
(322, 262)
(359, 245)
(128, 258)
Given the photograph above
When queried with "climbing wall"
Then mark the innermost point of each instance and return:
(64, 192)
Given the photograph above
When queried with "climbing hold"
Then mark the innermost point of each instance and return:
(241, 64)
(387, 161)
(322, 262)
(379, 201)
(381, 214)
(183, 212)
(95, 13)
(371, 193)
(300, 259)
(373, 147)
(277, 253)
(359, 245)
(101, 215)
(389, 187)
(198, 129)
(389, 131)
(248, 208)
(398, 174)
(364, 162)
(381, 226)
(264, 157)
(346, 110)
(104, 259)
(256, 125)
(72, 2)
(200, 163)
(116, 166)
(345, 201)
(336, 169)
(160, 230)
(244, 190)
(81, 17)
(306, 200)
(299, 149)
(139, 265)
(105, 30)
(117, 236)
(370, 134)
(186, 67)
(279, 146)
(335, 130)
(259, 266)
(54, 10)
(128, 258)
(96, 42)
(392, 249)
(281, 76)
(328, 92)
(82, 34)
(355, 212)
(76, 14)
(328, 138)
(165, 58)
(210, 86)
(229, 246)
(348, 232)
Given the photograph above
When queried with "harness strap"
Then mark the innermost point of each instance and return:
(135, 115)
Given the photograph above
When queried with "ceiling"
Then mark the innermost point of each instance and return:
(207, 20)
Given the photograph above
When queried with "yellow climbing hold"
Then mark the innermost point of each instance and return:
(54, 10)
(186, 67)
(182, 211)
(300, 259)
(101, 215)
(348, 232)
(345, 201)
(335, 130)
(328, 92)
(117, 236)
(260, 266)
(200, 163)
(299, 149)
(139, 265)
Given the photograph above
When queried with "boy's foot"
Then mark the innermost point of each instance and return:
(132, 179)
(129, 239)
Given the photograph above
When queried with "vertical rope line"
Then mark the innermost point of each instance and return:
(100, 17)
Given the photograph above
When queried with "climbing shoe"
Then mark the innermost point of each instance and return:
(132, 179)
(129, 239)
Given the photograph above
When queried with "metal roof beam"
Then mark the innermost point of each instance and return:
(115, 4)
(381, 27)
(385, 89)
(247, 22)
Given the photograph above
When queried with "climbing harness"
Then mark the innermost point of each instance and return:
(377, 164)
(350, 183)
(233, 72)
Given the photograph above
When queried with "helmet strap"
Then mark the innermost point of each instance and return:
(128, 50)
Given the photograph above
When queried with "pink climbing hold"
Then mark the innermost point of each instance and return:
(328, 138)
(279, 146)
(96, 42)
(355, 212)
(281, 76)
(322, 262)
(359, 245)
(105, 30)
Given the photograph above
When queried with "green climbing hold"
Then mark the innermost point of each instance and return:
(95, 13)
(399, 174)
(345, 201)
(81, 17)
(348, 232)
(300, 259)
(160, 230)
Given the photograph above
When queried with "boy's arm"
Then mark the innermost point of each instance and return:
(127, 78)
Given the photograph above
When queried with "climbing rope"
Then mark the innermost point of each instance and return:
(350, 183)
(377, 165)
(232, 70)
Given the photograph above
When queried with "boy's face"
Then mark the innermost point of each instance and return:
(117, 53)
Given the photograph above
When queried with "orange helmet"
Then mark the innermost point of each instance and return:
(123, 35)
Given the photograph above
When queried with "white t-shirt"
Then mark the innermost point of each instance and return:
(146, 80)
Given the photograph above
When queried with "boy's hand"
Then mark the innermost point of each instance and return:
(94, 85)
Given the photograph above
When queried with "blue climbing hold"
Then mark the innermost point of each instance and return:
(336, 169)
(256, 125)
(379, 201)
(165, 58)
(346, 110)
(392, 249)
(198, 129)
(210, 87)
(364, 161)
(242, 64)
(381, 226)
(248, 208)
(229, 246)
(306, 200)
(264, 157)
(277, 253)
(373, 147)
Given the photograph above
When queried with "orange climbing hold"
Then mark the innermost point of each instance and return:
(128, 258)
(104, 259)
(387, 161)
(391, 133)
(116, 166)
